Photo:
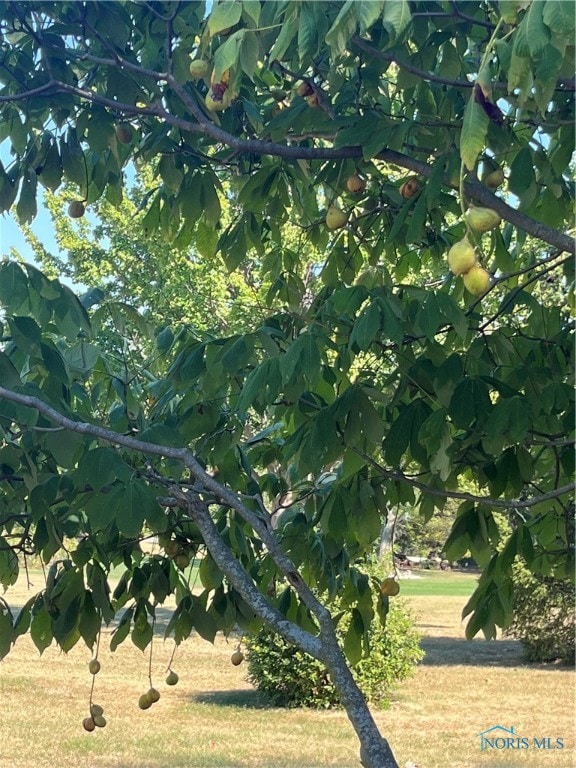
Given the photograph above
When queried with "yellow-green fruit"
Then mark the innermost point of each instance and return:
(355, 184)
(237, 658)
(482, 219)
(278, 94)
(76, 209)
(88, 724)
(144, 702)
(124, 133)
(477, 280)
(99, 720)
(390, 587)
(172, 548)
(216, 105)
(335, 217)
(153, 695)
(171, 678)
(96, 709)
(494, 179)
(461, 257)
(199, 68)
(182, 561)
(94, 667)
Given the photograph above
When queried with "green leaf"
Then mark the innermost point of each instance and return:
(204, 623)
(224, 15)
(342, 29)
(397, 16)
(227, 55)
(286, 35)
(470, 404)
(134, 505)
(366, 327)
(307, 33)
(521, 173)
(121, 632)
(537, 34)
(5, 630)
(354, 637)
(210, 575)
(367, 13)
(559, 17)
(100, 467)
(41, 630)
(13, 286)
(473, 135)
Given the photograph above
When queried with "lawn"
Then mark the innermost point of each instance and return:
(213, 718)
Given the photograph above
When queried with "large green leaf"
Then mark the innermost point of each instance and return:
(473, 134)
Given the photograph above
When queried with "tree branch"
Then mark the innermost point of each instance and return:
(258, 523)
(564, 83)
(473, 189)
(375, 748)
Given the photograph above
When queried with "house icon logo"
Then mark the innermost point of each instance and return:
(497, 737)
(500, 738)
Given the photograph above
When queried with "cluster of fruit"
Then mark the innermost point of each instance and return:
(150, 697)
(180, 553)
(462, 256)
(336, 218)
(96, 719)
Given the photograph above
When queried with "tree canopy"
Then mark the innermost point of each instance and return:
(344, 148)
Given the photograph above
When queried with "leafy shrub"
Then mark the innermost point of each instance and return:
(292, 678)
(543, 616)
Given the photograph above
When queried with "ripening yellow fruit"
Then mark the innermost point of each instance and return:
(390, 587)
(215, 104)
(355, 184)
(477, 280)
(304, 89)
(335, 217)
(495, 179)
(199, 68)
(482, 219)
(461, 257)
(409, 188)
(312, 100)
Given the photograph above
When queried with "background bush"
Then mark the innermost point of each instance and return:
(543, 616)
(292, 678)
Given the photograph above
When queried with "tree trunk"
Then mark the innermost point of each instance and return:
(386, 546)
(374, 750)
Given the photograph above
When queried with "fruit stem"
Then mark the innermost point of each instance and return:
(150, 656)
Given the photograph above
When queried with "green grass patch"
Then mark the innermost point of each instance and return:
(437, 583)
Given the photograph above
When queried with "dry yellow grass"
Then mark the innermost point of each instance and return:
(213, 718)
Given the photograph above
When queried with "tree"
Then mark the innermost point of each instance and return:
(372, 127)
